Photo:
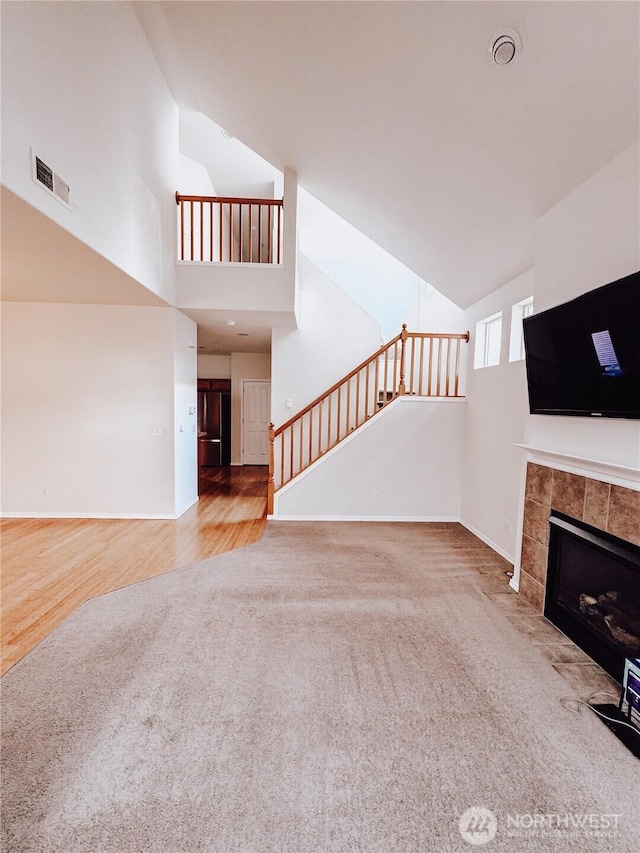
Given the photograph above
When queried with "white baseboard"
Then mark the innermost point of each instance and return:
(188, 506)
(123, 515)
(508, 557)
(385, 519)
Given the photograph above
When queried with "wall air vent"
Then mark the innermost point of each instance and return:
(52, 183)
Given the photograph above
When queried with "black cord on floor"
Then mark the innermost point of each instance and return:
(564, 702)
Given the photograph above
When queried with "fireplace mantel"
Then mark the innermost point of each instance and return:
(596, 469)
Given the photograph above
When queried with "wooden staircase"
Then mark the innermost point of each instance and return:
(418, 363)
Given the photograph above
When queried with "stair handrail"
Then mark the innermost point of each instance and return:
(275, 202)
(336, 385)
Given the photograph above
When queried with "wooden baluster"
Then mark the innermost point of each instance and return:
(220, 222)
(270, 484)
(260, 210)
(240, 235)
(339, 413)
(457, 368)
(429, 373)
(282, 458)
(319, 450)
(210, 230)
(439, 367)
(376, 384)
(182, 231)
(403, 341)
(201, 231)
(301, 423)
(446, 388)
(291, 454)
(230, 231)
(191, 223)
(412, 387)
(279, 238)
(329, 422)
(357, 399)
(421, 370)
(269, 237)
(386, 371)
(366, 392)
(396, 365)
(250, 233)
(348, 423)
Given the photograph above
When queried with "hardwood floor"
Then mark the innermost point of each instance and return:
(51, 566)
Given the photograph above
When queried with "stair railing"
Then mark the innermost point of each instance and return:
(417, 363)
(234, 230)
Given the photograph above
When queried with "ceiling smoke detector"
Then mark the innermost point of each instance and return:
(504, 46)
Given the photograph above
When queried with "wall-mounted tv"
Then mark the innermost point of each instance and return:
(583, 357)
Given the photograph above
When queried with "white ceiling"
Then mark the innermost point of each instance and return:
(234, 169)
(394, 116)
(249, 334)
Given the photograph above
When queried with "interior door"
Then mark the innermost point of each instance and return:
(256, 415)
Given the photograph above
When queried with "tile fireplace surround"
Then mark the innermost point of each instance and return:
(608, 507)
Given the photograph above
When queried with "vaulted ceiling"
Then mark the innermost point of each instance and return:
(395, 116)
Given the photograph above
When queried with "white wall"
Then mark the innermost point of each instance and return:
(244, 365)
(81, 86)
(496, 410)
(334, 335)
(82, 388)
(436, 313)
(214, 366)
(410, 454)
(237, 288)
(588, 239)
(185, 425)
(194, 178)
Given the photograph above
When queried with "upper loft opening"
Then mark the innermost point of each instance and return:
(214, 163)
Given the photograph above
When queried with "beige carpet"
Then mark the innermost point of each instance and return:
(336, 687)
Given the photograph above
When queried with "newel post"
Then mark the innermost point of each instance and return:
(270, 484)
(402, 389)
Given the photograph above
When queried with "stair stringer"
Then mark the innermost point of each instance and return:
(418, 475)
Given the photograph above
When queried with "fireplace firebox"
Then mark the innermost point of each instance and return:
(593, 591)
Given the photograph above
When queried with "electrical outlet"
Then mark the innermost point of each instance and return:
(376, 496)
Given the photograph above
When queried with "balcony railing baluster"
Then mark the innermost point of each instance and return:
(231, 233)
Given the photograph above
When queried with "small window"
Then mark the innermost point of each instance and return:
(488, 341)
(516, 343)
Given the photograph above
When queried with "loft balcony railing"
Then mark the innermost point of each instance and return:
(416, 363)
(214, 229)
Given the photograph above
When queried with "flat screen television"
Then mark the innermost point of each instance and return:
(583, 357)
